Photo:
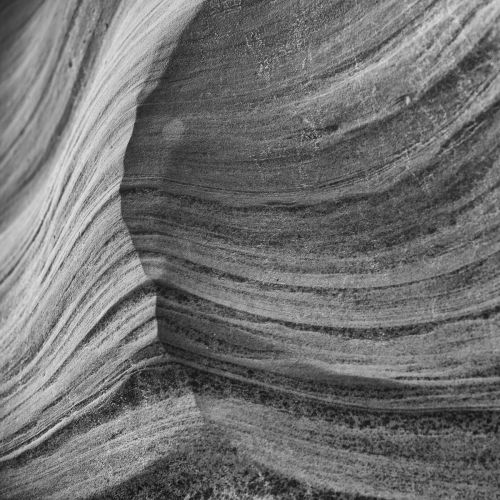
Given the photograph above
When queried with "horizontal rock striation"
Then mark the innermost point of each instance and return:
(250, 249)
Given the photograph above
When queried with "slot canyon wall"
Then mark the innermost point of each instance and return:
(250, 249)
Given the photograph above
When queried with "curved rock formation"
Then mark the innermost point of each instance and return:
(250, 249)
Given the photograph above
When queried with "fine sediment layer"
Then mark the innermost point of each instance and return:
(250, 248)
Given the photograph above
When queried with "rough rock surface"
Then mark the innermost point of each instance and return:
(250, 249)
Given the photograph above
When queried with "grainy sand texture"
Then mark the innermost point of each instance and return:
(250, 249)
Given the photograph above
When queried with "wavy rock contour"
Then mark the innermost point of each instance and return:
(250, 249)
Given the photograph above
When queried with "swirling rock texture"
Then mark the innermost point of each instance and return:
(250, 249)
